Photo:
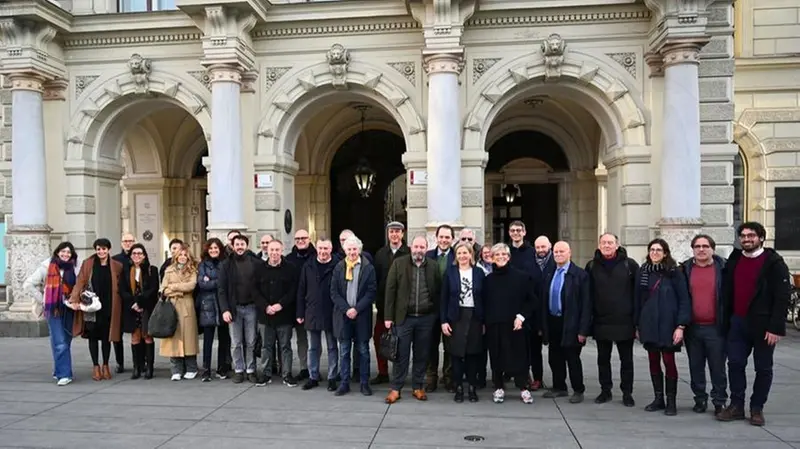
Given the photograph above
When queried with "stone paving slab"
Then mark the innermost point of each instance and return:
(122, 413)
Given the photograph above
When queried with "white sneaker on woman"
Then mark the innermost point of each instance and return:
(190, 376)
(526, 396)
(499, 396)
(175, 377)
(64, 381)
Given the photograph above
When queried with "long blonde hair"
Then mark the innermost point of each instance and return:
(191, 263)
(470, 250)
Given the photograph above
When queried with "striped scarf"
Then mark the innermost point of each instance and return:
(55, 290)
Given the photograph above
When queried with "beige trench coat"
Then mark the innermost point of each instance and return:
(181, 286)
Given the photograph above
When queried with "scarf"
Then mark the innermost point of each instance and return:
(136, 287)
(647, 268)
(350, 265)
(542, 261)
(57, 287)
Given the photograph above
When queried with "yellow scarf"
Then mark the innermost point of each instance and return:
(350, 265)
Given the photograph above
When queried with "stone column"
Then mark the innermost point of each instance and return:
(226, 186)
(28, 237)
(444, 139)
(680, 167)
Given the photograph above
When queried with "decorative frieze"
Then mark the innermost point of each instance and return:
(202, 76)
(481, 66)
(131, 40)
(82, 82)
(273, 74)
(472, 197)
(338, 28)
(635, 194)
(483, 21)
(627, 60)
(268, 201)
(406, 68)
(80, 204)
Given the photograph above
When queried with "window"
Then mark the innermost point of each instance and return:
(145, 5)
(739, 189)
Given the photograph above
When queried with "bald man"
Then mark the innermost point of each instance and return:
(566, 323)
(546, 266)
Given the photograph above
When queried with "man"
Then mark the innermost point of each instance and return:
(315, 312)
(302, 252)
(339, 256)
(545, 266)
(276, 314)
(756, 293)
(566, 323)
(174, 246)
(523, 255)
(705, 337)
(468, 236)
(264, 244)
(413, 286)
(353, 288)
(229, 247)
(239, 287)
(124, 257)
(444, 256)
(612, 279)
(384, 259)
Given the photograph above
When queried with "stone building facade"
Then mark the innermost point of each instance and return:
(230, 115)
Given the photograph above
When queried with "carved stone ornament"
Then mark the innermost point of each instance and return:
(27, 250)
(553, 50)
(338, 58)
(140, 72)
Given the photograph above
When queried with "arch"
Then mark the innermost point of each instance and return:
(141, 150)
(287, 108)
(99, 113)
(322, 157)
(587, 79)
(755, 160)
(565, 139)
(528, 144)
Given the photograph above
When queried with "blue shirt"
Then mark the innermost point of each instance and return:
(555, 289)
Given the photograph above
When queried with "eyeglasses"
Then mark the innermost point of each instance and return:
(514, 231)
(137, 253)
(466, 239)
(300, 238)
(128, 241)
(265, 243)
(656, 250)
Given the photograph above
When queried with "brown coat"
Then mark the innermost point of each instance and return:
(181, 285)
(115, 331)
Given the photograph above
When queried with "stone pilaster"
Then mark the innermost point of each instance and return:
(275, 203)
(473, 196)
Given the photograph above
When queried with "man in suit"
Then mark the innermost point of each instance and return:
(444, 256)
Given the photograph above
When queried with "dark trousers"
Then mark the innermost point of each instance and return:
(535, 355)
(560, 358)
(705, 344)
(433, 359)
(625, 351)
(414, 330)
(466, 367)
(483, 360)
(348, 336)
(119, 352)
(740, 344)
(223, 348)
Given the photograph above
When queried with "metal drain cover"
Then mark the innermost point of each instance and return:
(474, 438)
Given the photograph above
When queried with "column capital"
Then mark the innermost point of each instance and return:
(683, 52)
(655, 61)
(26, 81)
(225, 72)
(55, 90)
(226, 37)
(29, 48)
(443, 63)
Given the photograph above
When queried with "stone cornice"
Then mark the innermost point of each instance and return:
(335, 27)
(495, 19)
(145, 38)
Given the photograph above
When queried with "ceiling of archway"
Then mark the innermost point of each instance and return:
(526, 144)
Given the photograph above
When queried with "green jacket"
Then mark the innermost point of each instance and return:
(398, 287)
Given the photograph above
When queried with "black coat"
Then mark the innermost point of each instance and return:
(576, 306)
(298, 259)
(227, 294)
(205, 299)
(767, 312)
(612, 291)
(314, 303)
(367, 288)
(383, 262)
(279, 286)
(146, 299)
(661, 306)
(524, 259)
(507, 292)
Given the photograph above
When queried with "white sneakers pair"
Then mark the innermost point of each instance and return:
(64, 381)
(500, 395)
(187, 376)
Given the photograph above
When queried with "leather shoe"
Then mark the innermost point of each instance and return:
(757, 418)
(106, 372)
(392, 397)
(700, 406)
(96, 373)
(420, 395)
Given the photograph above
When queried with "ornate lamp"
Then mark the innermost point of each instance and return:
(510, 192)
(365, 178)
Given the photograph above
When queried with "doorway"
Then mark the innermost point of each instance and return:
(536, 205)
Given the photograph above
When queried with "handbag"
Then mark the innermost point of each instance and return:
(89, 300)
(388, 345)
(164, 320)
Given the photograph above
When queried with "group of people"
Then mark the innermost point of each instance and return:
(497, 303)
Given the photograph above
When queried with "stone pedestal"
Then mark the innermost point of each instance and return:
(28, 247)
(679, 232)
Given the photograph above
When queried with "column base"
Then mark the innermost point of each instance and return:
(679, 232)
(28, 246)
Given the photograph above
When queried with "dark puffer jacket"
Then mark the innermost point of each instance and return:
(206, 303)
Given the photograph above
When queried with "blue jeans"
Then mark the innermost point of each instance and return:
(60, 341)
(740, 345)
(243, 339)
(345, 346)
(315, 353)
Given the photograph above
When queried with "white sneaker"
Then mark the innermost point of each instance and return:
(499, 396)
(63, 382)
(190, 376)
(527, 397)
(175, 377)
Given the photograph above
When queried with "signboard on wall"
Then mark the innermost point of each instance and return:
(263, 181)
(148, 225)
(417, 177)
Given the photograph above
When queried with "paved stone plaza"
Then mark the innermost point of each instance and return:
(122, 413)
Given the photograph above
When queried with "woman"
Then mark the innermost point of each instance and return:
(508, 302)
(462, 319)
(54, 281)
(100, 274)
(487, 260)
(180, 278)
(208, 314)
(139, 291)
(662, 310)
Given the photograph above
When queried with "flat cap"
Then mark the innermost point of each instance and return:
(396, 225)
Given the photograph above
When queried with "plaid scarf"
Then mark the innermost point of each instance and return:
(56, 288)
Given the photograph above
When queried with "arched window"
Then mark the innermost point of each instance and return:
(740, 205)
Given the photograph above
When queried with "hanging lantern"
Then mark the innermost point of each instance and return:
(510, 192)
(365, 178)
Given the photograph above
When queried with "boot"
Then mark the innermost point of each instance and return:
(137, 367)
(472, 393)
(459, 396)
(106, 372)
(672, 392)
(658, 391)
(149, 359)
